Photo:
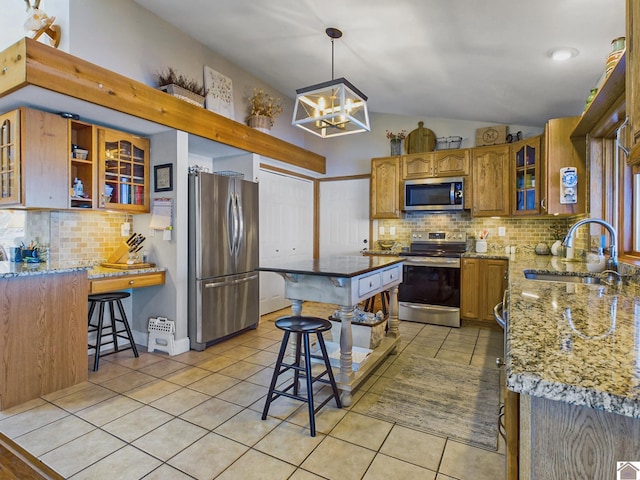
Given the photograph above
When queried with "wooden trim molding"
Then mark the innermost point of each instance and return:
(29, 62)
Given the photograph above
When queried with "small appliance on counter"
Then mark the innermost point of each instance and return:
(126, 256)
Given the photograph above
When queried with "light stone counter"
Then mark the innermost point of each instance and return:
(20, 269)
(574, 343)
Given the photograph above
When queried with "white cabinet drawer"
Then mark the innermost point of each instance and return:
(369, 284)
(391, 275)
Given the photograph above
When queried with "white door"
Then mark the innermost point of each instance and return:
(344, 216)
(286, 231)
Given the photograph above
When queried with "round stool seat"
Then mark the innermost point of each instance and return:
(107, 297)
(303, 324)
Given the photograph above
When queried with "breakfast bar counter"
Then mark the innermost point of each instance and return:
(346, 281)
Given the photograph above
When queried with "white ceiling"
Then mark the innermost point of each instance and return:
(462, 59)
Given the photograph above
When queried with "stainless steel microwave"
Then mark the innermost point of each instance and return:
(435, 194)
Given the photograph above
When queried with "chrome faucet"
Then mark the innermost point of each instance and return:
(612, 263)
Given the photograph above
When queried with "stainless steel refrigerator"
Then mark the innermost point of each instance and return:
(223, 257)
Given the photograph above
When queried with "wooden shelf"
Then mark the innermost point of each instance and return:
(606, 102)
(30, 63)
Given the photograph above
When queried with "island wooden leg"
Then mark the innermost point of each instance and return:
(346, 346)
(393, 315)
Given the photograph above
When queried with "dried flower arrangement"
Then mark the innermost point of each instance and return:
(557, 232)
(401, 135)
(261, 103)
(169, 76)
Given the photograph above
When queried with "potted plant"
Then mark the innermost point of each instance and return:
(263, 108)
(181, 86)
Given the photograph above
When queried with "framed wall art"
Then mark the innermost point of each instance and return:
(219, 91)
(163, 177)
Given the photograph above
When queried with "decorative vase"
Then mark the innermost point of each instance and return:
(396, 147)
(260, 122)
(590, 98)
(557, 248)
(542, 249)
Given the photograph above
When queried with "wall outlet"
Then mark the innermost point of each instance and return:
(380, 230)
(501, 231)
(392, 230)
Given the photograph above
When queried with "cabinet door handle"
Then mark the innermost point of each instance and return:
(131, 282)
(618, 135)
(542, 205)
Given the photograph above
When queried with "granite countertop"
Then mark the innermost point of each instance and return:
(338, 266)
(21, 269)
(573, 342)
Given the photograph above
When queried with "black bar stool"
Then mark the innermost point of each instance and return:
(302, 327)
(111, 330)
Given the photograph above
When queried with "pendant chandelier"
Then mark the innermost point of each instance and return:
(331, 108)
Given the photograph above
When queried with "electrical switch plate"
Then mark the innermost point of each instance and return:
(380, 230)
(501, 232)
(125, 229)
(392, 230)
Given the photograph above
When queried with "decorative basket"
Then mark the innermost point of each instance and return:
(183, 94)
(260, 122)
(446, 143)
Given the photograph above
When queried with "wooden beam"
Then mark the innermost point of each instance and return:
(29, 62)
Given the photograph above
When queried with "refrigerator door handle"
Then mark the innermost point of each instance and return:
(245, 279)
(236, 225)
(218, 284)
(231, 221)
(239, 213)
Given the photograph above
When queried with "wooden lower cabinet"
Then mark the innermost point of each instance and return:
(558, 440)
(483, 281)
(43, 335)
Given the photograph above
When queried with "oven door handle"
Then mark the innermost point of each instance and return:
(449, 263)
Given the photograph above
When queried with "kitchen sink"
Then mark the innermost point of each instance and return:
(561, 277)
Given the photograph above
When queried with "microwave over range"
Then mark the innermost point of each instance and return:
(435, 194)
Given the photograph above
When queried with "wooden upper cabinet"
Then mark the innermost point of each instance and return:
(385, 187)
(526, 158)
(562, 151)
(33, 160)
(441, 163)
(417, 165)
(632, 79)
(123, 171)
(490, 167)
(451, 163)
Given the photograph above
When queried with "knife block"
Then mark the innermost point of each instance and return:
(120, 254)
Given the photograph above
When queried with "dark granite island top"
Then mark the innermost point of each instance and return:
(346, 266)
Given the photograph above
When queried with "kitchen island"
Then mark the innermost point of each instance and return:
(573, 356)
(346, 281)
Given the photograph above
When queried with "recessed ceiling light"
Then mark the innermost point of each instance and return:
(562, 54)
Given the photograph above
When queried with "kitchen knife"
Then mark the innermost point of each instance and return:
(128, 242)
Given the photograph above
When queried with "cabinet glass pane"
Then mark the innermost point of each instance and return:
(7, 159)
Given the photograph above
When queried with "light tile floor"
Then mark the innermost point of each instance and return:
(197, 415)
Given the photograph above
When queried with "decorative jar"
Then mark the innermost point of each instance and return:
(396, 147)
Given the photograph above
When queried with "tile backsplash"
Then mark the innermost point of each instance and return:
(523, 233)
(86, 237)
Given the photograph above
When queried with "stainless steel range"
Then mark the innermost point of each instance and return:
(430, 290)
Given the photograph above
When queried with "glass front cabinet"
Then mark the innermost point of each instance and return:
(123, 173)
(9, 164)
(526, 157)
